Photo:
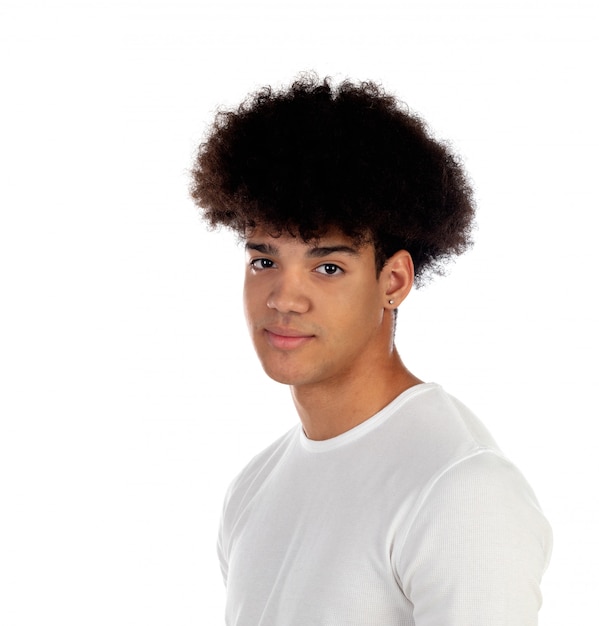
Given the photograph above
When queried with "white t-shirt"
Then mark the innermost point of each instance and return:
(413, 517)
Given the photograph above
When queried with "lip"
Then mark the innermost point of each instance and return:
(286, 338)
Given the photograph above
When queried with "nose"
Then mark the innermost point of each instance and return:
(288, 295)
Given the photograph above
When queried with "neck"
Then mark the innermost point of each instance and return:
(334, 407)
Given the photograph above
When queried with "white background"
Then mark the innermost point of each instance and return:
(130, 395)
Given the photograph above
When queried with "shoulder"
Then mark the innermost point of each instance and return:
(253, 476)
(473, 509)
(479, 484)
(479, 532)
(437, 415)
(470, 486)
(431, 431)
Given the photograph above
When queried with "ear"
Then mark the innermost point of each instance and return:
(397, 278)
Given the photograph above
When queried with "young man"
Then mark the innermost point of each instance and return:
(390, 504)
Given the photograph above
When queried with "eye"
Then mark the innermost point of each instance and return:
(261, 264)
(330, 269)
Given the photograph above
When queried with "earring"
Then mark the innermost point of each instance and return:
(391, 301)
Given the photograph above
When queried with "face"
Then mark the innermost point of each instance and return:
(315, 310)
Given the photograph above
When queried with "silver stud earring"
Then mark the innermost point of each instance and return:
(391, 301)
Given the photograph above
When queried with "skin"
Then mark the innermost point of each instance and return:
(321, 322)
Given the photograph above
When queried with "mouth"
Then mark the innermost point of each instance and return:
(286, 338)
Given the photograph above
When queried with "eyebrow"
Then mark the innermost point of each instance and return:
(316, 252)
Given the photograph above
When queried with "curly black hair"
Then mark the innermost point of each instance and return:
(312, 157)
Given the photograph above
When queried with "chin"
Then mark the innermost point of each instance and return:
(285, 378)
(287, 368)
(287, 375)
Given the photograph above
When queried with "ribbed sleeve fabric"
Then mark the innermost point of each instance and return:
(476, 548)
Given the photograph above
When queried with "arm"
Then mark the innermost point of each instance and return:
(477, 548)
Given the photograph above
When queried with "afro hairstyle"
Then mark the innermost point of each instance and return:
(312, 157)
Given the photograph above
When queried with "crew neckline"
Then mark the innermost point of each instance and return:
(357, 432)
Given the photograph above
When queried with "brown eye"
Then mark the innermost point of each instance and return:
(261, 264)
(330, 269)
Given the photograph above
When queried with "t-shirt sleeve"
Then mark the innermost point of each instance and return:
(220, 551)
(222, 542)
(476, 549)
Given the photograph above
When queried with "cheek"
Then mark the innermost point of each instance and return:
(361, 307)
(365, 320)
(254, 302)
(248, 310)
(250, 298)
